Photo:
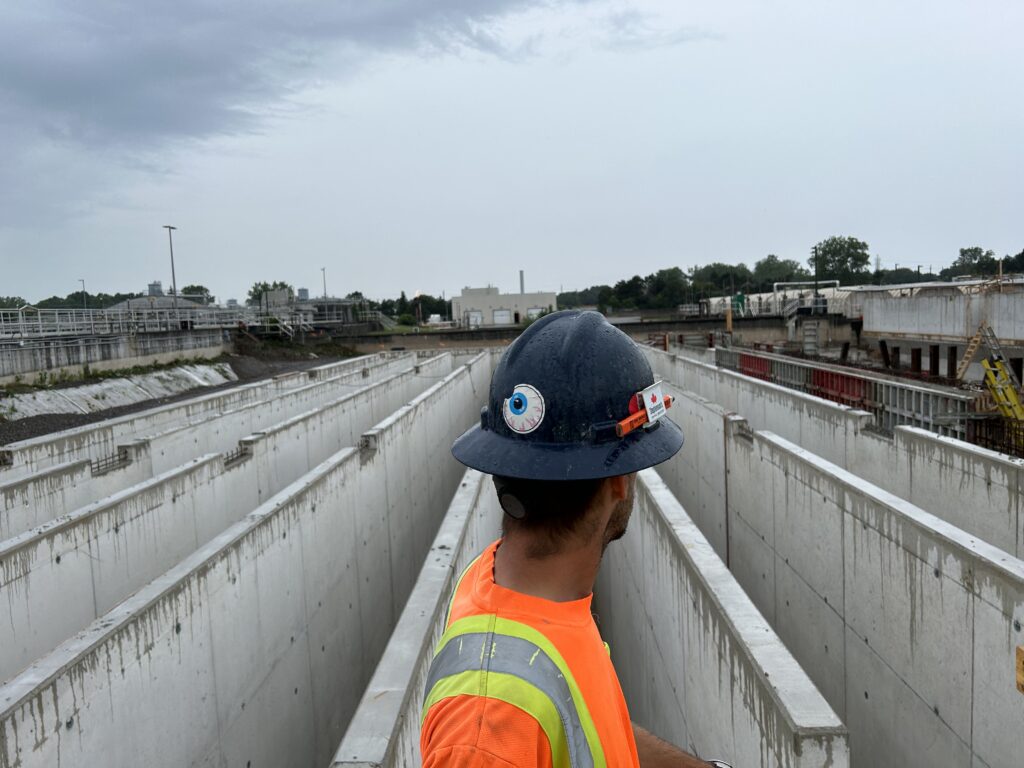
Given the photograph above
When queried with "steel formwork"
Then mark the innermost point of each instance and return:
(892, 401)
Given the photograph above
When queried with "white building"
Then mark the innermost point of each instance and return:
(481, 307)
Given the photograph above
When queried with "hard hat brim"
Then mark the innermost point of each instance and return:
(496, 454)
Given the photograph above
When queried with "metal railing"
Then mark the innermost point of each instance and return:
(891, 400)
(39, 323)
(110, 463)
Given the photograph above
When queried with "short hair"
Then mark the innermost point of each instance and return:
(553, 509)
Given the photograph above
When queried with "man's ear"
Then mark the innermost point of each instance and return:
(618, 487)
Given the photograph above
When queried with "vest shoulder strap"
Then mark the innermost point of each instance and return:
(485, 655)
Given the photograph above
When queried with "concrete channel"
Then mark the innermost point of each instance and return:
(262, 640)
(907, 624)
(698, 663)
(973, 488)
(96, 556)
(100, 440)
(795, 589)
(163, 440)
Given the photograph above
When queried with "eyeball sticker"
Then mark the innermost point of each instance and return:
(524, 411)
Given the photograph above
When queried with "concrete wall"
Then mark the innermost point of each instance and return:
(715, 684)
(223, 431)
(385, 729)
(95, 441)
(257, 647)
(698, 664)
(107, 353)
(41, 497)
(907, 625)
(197, 418)
(115, 546)
(824, 426)
(696, 475)
(975, 489)
(56, 579)
(946, 315)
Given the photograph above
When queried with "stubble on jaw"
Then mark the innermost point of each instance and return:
(619, 519)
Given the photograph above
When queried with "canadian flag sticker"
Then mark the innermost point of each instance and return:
(654, 402)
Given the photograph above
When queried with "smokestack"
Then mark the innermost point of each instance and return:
(522, 282)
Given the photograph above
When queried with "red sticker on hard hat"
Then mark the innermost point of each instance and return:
(524, 410)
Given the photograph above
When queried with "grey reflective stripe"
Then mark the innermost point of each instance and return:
(491, 652)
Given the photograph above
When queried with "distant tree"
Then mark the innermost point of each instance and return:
(402, 305)
(12, 302)
(631, 294)
(718, 279)
(92, 301)
(666, 288)
(197, 293)
(588, 297)
(845, 259)
(428, 305)
(972, 261)
(1014, 263)
(771, 269)
(902, 276)
(255, 296)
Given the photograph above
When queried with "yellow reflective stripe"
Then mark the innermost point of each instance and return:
(488, 622)
(512, 690)
(458, 583)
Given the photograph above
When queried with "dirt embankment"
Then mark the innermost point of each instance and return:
(246, 367)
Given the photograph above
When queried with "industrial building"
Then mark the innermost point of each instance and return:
(828, 574)
(483, 307)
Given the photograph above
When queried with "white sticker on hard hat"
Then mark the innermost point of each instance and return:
(654, 402)
(524, 410)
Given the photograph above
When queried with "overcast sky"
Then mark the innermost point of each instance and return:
(426, 145)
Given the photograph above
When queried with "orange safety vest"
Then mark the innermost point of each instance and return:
(518, 680)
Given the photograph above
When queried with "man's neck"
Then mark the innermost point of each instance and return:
(562, 577)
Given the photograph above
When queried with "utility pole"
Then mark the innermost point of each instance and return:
(174, 281)
(85, 304)
(323, 271)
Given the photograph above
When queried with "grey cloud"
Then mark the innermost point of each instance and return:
(91, 90)
(630, 29)
(122, 73)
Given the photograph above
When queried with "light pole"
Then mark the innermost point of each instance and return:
(84, 303)
(323, 270)
(174, 281)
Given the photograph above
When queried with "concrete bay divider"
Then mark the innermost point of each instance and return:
(258, 646)
(385, 729)
(95, 441)
(827, 428)
(720, 679)
(907, 625)
(211, 430)
(698, 664)
(973, 488)
(49, 493)
(57, 578)
(100, 554)
(222, 431)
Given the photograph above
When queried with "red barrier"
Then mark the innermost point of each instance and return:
(758, 367)
(839, 387)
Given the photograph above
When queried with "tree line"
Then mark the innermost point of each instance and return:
(842, 258)
(846, 259)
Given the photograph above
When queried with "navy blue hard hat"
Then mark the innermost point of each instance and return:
(555, 399)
